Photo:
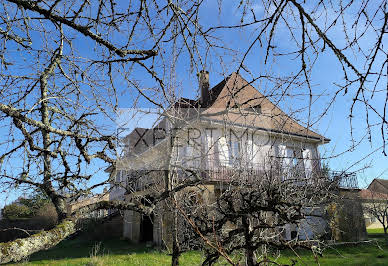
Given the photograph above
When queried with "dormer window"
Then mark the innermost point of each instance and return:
(257, 108)
(254, 108)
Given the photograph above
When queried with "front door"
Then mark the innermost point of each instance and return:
(147, 228)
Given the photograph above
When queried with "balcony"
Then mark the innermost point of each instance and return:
(345, 180)
(251, 173)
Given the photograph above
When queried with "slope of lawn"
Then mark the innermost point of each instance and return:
(109, 252)
(120, 252)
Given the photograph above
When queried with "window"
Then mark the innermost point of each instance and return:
(188, 153)
(294, 235)
(291, 161)
(292, 157)
(295, 157)
(255, 108)
(178, 153)
(191, 155)
(235, 154)
(210, 148)
(252, 152)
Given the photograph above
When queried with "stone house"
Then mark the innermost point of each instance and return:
(375, 199)
(231, 126)
(379, 185)
(82, 202)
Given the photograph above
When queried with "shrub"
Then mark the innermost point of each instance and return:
(46, 216)
(16, 210)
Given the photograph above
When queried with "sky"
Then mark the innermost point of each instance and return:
(325, 75)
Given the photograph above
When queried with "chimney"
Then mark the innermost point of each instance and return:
(203, 78)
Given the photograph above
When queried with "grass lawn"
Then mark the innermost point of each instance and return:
(375, 231)
(119, 252)
(110, 252)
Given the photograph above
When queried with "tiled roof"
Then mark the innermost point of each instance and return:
(382, 182)
(368, 194)
(236, 91)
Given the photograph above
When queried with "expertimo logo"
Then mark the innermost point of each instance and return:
(188, 135)
(141, 128)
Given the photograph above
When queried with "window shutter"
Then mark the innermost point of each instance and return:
(223, 151)
(256, 154)
(284, 155)
(252, 152)
(249, 153)
(307, 162)
(210, 149)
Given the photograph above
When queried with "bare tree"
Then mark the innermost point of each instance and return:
(253, 210)
(59, 99)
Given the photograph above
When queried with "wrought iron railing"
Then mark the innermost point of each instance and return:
(344, 180)
(249, 173)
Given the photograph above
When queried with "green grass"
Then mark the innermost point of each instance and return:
(375, 231)
(119, 252)
(364, 254)
(110, 252)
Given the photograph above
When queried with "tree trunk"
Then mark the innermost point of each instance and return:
(169, 185)
(175, 258)
(385, 234)
(175, 243)
(58, 201)
(249, 251)
(19, 249)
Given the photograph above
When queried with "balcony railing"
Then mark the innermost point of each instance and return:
(250, 174)
(139, 180)
(345, 179)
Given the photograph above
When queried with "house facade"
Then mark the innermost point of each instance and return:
(378, 186)
(73, 206)
(231, 127)
(374, 200)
